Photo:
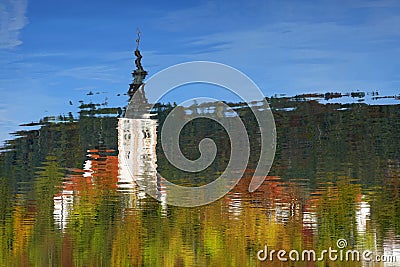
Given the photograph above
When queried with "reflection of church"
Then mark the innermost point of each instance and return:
(137, 138)
(135, 163)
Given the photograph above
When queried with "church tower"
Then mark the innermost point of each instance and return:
(139, 74)
(137, 138)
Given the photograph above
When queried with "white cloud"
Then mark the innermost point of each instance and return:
(12, 20)
(304, 55)
(103, 73)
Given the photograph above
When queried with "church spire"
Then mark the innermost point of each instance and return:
(139, 74)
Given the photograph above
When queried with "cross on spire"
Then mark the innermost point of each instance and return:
(138, 38)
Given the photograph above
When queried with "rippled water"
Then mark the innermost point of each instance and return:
(70, 199)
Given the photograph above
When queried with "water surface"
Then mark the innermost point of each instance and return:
(68, 198)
